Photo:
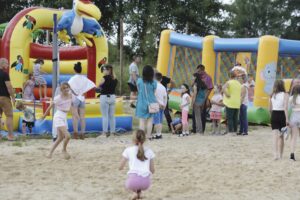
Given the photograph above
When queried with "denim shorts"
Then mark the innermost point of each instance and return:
(78, 104)
(158, 117)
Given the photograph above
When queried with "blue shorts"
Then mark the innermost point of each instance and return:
(158, 117)
(78, 104)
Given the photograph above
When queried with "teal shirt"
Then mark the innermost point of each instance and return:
(200, 98)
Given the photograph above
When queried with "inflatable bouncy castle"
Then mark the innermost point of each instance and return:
(266, 58)
(81, 25)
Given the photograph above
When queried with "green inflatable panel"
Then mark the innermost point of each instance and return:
(256, 115)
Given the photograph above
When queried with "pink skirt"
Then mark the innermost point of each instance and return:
(215, 115)
(136, 183)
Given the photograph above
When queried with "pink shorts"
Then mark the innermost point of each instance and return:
(136, 183)
(215, 115)
(184, 117)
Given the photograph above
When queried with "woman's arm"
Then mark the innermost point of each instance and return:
(224, 90)
(152, 166)
(270, 104)
(48, 110)
(123, 163)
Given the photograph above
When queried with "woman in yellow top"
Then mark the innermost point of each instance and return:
(232, 102)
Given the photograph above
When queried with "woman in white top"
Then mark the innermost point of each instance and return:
(141, 164)
(279, 116)
(294, 103)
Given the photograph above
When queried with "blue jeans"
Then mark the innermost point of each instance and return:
(107, 106)
(243, 119)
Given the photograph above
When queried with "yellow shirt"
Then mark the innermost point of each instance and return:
(234, 90)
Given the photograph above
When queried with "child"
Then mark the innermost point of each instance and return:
(215, 111)
(28, 88)
(141, 164)
(39, 80)
(176, 126)
(62, 103)
(28, 118)
(185, 106)
(162, 98)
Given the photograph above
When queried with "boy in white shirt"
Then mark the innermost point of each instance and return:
(162, 98)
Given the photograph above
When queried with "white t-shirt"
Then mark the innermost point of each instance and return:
(278, 101)
(80, 84)
(133, 69)
(161, 94)
(141, 168)
(216, 98)
(184, 99)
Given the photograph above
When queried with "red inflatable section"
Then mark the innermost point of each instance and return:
(65, 53)
(36, 93)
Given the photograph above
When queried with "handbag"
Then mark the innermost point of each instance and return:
(152, 107)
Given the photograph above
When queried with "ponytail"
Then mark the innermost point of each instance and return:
(140, 139)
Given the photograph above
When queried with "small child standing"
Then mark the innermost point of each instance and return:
(141, 165)
(216, 107)
(185, 106)
(28, 118)
(28, 88)
(39, 79)
(62, 103)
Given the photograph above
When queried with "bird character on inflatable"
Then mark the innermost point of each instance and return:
(80, 22)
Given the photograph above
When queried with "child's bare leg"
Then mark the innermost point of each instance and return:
(45, 91)
(219, 126)
(23, 128)
(40, 91)
(56, 143)
(67, 138)
(214, 123)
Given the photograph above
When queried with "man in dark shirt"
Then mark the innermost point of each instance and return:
(6, 97)
(165, 82)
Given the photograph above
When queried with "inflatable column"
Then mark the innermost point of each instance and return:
(209, 55)
(164, 53)
(266, 70)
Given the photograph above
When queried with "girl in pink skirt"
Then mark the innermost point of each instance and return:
(141, 165)
(62, 104)
(215, 111)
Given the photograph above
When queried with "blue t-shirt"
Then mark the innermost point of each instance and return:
(142, 100)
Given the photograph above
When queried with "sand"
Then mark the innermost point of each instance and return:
(194, 167)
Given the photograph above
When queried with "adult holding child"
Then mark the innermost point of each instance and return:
(279, 116)
(79, 85)
(198, 101)
(146, 95)
(232, 102)
(7, 97)
(108, 86)
(206, 78)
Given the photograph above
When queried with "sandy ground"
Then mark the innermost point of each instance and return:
(194, 167)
